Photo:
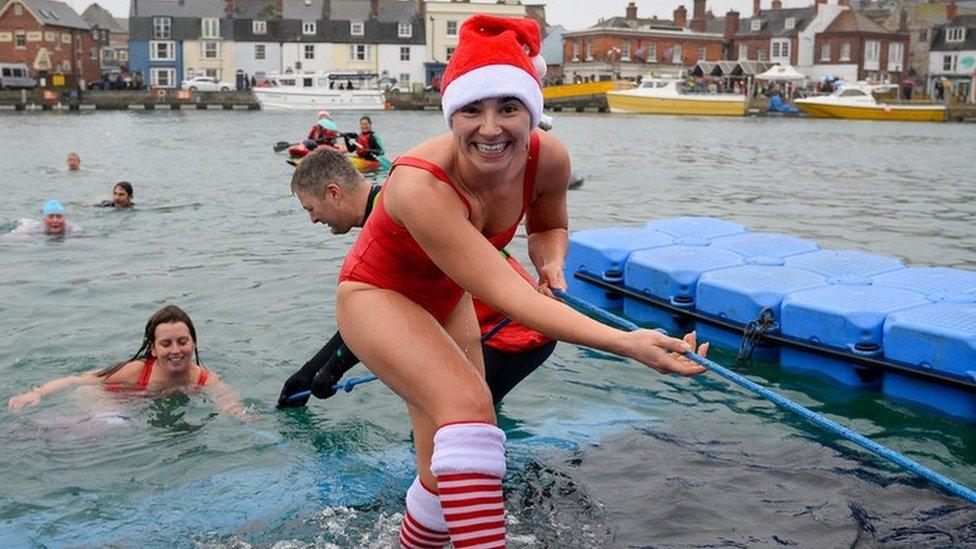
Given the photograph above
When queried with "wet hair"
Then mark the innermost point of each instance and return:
(321, 167)
(166, 315)
(366, 118)
(126, 186)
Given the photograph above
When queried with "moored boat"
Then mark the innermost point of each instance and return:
(857, 102)
(299, 151)
(664, 96)
(334, 91)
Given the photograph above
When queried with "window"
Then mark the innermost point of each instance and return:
(123, 55)
(576, 50)
(162, 78)
(923, 35)
(161, 51)
(676, 54)
(761, 55)
(872, 50)
(309, 52)
(20, 38)
(357, 28)
(66, 38)
(404, 53)
(209, 50)
(18, 9)
(743, 52)
(66, 66)
(209, 27)
(625, 50)
(404, 81)
(589, 49)
(213, 73)
(49, 37)
(162, 28)
(359, 52)
(896, 53)
(955, 34)
(259, 52)
(259, 27)
(825, 52)
(845, 51)
(781, 49)
(93, 53)
(790, 23)
(450, 52)
(107, 54)
(702, 51)
(949, 63)
(404, 30)
(755, 25)
(308, 27)
(452, 28)
(652, 52)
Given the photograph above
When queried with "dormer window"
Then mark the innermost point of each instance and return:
(755, 25)
(210, 27)
(308, 27)
(404, 30)
(956, 34)
(356, 28)
(790, 23)
(259, 27)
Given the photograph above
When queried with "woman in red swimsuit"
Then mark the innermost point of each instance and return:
(164, 363)
(404, 299)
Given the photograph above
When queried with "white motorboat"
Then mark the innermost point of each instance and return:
(333, 91)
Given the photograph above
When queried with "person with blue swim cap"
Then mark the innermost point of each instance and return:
(54, 221)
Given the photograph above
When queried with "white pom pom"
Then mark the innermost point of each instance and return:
(540, 66)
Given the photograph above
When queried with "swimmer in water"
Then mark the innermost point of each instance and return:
(121, 196)
(166, 363)
(54, 222)
(74, 162)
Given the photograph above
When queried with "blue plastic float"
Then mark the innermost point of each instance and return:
(858, 319)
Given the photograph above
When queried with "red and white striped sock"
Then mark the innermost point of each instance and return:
(423, 523)
(469, 461)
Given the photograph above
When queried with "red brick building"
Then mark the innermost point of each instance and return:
(630, 46)
(854, 40)
(50, 38)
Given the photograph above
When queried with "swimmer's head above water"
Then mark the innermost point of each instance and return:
(74, 161)
(170, 338)
(122, 194)
(54, 222)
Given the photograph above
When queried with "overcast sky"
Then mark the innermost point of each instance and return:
(572, 14)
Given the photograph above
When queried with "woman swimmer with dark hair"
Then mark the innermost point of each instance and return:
(166, 362)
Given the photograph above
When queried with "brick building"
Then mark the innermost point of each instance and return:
(862, 49)
(50, 38)
(630, 46)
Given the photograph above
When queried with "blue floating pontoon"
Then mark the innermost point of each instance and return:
(858, 319)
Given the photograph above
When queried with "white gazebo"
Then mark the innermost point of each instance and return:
(781, 73)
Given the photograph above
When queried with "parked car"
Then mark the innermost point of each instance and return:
(206, 83)
(14, 76)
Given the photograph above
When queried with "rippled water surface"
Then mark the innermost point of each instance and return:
(602, 452)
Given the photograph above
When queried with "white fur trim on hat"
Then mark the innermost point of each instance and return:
(541, 68)
(493, 81)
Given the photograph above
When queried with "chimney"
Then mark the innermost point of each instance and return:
(698, 21)
(229, 7)
(279, 7)
(777, 4)
(421, 10)
(951, 11)
(681, 16)
(903, 20)
(731, 24)
(632, 12)
(756, 8)
(816, 6)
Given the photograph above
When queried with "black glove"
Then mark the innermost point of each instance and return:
(298, 382)
(319, 374)
(350, 135)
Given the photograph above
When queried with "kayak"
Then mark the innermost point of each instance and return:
(299, 151)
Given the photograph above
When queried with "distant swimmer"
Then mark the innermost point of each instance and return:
(166, 363)
(53, 223)
(74, 162)
(121, 196)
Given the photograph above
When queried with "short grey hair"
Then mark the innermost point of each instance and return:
(321, 167)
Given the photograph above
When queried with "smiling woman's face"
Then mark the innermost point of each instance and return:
(173, 346)
(493, 132)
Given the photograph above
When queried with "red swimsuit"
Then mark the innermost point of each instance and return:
(143, 383)
(386, 255)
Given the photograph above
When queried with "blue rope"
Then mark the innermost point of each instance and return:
(351, 384)
(912, 466)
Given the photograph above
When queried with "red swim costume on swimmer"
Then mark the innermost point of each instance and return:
(143, 383)
(386, 256)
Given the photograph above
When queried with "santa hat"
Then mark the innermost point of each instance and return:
(495, 57)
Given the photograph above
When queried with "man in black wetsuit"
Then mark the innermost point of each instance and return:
(345, 201)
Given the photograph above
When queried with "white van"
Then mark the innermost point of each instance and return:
(15, 76)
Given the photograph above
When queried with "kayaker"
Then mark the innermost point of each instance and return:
(432, 241)
(324, 132)
(366, 144)
(121, 196)
(74, 162)
(336, 194)
(167, 362)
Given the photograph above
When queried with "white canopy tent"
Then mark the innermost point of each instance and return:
(781, 73)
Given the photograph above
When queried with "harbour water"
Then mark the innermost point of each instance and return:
(602, 452)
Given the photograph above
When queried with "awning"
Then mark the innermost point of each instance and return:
(781, 73)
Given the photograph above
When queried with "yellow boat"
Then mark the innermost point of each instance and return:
(858, 103)
(663, 96)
